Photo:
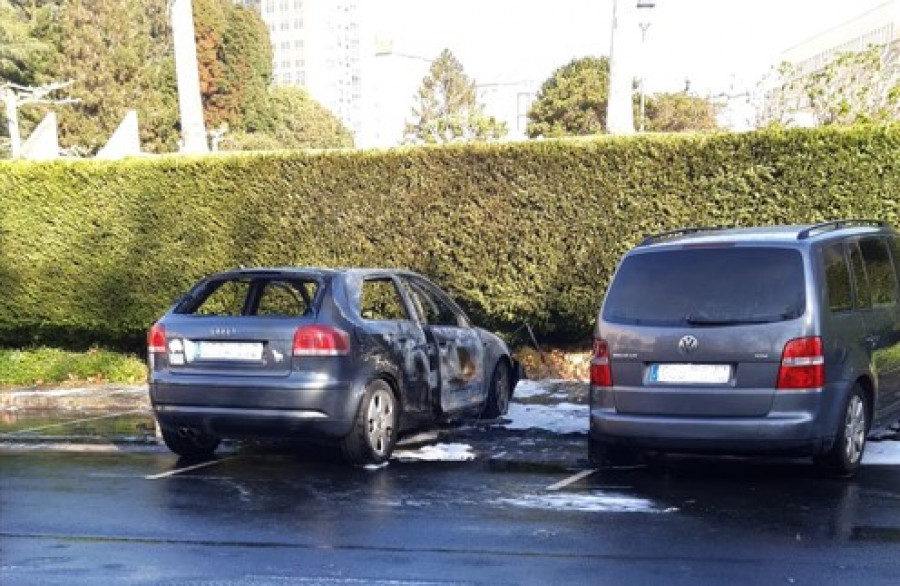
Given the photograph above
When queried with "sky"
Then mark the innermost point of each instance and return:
(715, 44)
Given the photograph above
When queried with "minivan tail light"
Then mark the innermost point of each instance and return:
(802, 364)
(320, 341)
(601, 372)
(156, 339)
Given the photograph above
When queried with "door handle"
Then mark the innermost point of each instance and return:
(872, 340)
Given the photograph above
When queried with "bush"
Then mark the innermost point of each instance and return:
(94, 252)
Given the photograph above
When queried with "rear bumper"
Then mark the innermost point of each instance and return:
(794, 433)
(257, 407)
(796, 423)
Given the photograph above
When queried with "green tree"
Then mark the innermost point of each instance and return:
(854, 87)
(447, 108)
(680, 112)
(118, 53)
(20, 50)
(572, 101)
(235, 62)
(299, 122)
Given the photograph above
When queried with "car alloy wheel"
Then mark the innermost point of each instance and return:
(380, 422)
(854, 429)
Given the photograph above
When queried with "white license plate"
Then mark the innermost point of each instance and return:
(229, 350)
(690, 373)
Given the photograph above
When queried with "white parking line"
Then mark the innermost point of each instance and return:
(571, 479)
(187, 468)
(73, 422)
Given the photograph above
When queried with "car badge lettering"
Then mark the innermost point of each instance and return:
(224, 331)
(687, 344)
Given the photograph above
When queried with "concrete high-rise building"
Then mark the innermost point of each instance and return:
(318, 44)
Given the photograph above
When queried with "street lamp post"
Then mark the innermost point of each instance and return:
(644, 7)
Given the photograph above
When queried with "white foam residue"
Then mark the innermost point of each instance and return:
(375, 466)
(561, 418)
(437, 453)
(532, 388)
(597, 502)
(884, 453)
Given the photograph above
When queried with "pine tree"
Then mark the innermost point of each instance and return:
(572, 101)
(448, 109)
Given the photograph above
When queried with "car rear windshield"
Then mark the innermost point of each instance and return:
(708, 287)
(252, 296)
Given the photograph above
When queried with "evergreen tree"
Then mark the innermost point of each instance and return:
(572, 101)
(679, 112)
(118, 53)
(235, 62)
(447, 108)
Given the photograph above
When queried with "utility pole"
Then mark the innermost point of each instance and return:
(619, 113)
(15, 96)
(190, 107)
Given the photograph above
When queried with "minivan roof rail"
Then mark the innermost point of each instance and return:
(680, 232)
(838, 224)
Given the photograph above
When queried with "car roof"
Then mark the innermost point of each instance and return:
(785, 234)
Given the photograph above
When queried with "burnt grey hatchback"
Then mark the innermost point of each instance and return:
(354, 356)
(758, 340)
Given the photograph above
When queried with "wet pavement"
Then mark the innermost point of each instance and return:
(90, 498)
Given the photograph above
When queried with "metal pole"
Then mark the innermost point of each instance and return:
(12, 120)
(619, 112)
(193, 130)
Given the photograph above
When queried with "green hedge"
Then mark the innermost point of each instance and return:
(93, 252)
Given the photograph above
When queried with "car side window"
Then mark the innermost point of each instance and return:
(227, 299)
(380, 300)
(880, 270)
(837, 278)
(863, 297)
(435, 311)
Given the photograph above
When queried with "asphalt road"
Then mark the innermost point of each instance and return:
(521, 512)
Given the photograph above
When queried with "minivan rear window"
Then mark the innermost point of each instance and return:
(708, 287)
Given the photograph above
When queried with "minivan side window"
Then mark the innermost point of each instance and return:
(860, 281)
(837, 278)
(880, 270)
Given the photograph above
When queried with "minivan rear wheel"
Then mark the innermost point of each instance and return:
(846, 453)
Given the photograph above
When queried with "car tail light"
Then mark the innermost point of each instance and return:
(802, 364)
(601, 372)
(156, 339)
(320, 341)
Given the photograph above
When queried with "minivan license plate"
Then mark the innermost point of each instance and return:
(229, 351)
(690, 373)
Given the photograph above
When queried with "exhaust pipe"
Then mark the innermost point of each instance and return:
(188, 432)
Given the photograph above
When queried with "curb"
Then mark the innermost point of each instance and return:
(95, 398)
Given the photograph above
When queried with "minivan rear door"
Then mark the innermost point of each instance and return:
(700, 330)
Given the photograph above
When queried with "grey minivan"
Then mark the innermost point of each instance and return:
(781, 340)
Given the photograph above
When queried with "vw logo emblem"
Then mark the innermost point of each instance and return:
(687, 344)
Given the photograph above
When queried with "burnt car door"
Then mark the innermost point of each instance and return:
(397, 337)
(455, 348)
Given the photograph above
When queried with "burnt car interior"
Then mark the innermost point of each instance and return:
(258, 296)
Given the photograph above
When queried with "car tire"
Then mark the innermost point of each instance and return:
(375, 430)
(846, 453)
(195, 447)
(497, 401)
(604, 455)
